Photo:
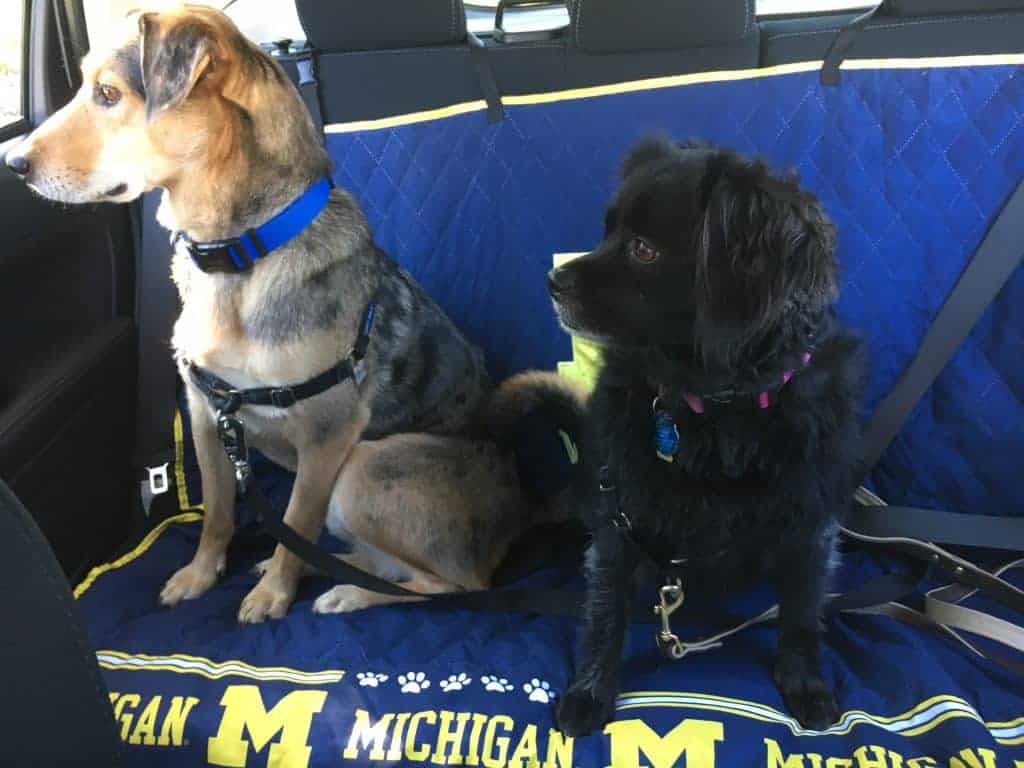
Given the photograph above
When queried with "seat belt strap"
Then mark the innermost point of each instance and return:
(943, 605)
(841, 45)
(963, 571)
(485, 76)
(156, 301)
(989, 269)
(917, 532)
(923, 620)
(309, 87)
(985, 531)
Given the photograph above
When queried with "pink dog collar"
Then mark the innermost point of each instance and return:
(765, 399)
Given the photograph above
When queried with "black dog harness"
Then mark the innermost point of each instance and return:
(667, 447)
(226, 399)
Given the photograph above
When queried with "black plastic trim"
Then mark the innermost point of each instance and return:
(807, 39)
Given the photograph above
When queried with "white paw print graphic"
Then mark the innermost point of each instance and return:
(495, 684)
(456, 682)
(539, 691)
(414, 682)
(370, 679)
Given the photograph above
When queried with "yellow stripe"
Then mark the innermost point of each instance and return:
(179, 465)
(868, 719)
(211, 662)
(720, 703)
(938, 62)
(881, 718)
(220, 668)
(326, 680)
(933, 724)
(674, 81)
(146, 543)
(1008, 723)
(709, 707)
(658, 83)
(408, 119)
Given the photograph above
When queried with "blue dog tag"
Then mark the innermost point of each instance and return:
(666, 436)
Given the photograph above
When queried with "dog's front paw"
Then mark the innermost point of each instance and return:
(343, 599)
(807, 697)
(190, 582)
(269, 599)
(581, 711)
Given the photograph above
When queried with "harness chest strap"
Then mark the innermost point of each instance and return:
(226, 400)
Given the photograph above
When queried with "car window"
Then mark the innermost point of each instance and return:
(780, 7)
(480, 17)
(12, 33)
(260, 20)
(480, 13)
(266, 21)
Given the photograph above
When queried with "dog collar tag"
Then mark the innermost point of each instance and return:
(359, 373)
(666, 436)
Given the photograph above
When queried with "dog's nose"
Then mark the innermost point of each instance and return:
(18, 163)
(560, 281)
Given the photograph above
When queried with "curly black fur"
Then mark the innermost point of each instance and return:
(734, 282)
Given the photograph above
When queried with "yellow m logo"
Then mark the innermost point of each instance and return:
(695, 739)
(292, 718)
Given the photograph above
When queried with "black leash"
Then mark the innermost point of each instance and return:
(227, 400)
(544, 601)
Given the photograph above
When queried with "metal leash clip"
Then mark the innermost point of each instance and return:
(670, 598)
(231, 432)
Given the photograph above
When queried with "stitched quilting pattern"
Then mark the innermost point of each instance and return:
(911, 164)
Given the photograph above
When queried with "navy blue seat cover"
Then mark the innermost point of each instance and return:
(912, 164)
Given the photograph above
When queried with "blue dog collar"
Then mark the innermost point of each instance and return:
(238, 254)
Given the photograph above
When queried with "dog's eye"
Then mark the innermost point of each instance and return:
(107, 95)
(643, 251)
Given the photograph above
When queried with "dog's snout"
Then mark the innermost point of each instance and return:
(560, 281)
(18, 163)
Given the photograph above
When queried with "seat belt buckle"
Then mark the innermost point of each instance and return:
(155, 483)
(159, 482)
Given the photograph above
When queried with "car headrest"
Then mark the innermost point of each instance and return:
(939, 7)
(609, 26)
(360, 25)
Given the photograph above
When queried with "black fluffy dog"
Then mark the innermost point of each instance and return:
(725, 413)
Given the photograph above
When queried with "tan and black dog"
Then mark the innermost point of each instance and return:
(188, 105)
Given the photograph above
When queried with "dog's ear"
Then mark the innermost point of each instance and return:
(765, 248)
(646, 152)
(175, 54)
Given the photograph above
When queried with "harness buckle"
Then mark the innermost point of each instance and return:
(283, 397)
(226, 401)
(670, 598)
(722, 396)
(622, 524)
